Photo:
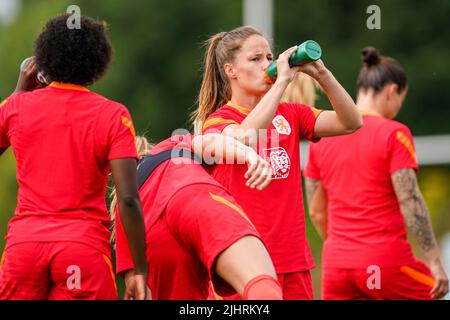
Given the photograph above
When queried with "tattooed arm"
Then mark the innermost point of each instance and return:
(415, 212)
(317, 205)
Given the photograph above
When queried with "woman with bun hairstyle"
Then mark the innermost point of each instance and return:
(362, 194)
(235, 100)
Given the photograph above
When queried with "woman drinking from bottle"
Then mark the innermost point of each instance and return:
(237, 101)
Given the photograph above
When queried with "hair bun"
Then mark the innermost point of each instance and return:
(370, 56)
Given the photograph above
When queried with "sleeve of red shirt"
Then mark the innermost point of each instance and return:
(311, 169)
(5, 110)
(121, 134)
(307, 117)
(218, 121)
(402, 154)
(124, 260)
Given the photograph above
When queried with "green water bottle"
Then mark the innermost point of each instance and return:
(306, 52)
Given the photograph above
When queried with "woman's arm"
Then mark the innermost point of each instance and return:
(317, 205)
(217, 148)
(345, 118)
(124, 176)
(415, 212)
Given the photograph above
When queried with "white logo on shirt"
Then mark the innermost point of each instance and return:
(282, 125)
(280, 162)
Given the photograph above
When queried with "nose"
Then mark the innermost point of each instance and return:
(266, 63)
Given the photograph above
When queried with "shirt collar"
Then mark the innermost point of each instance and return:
(239, 108)
(68, 86)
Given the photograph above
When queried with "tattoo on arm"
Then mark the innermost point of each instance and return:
(413, 207)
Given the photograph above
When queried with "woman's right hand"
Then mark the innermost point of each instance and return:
(284, 72)
(315, 69)
(136, 286)
(28, 77)
(259, 173)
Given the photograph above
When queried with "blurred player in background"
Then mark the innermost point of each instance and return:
(65, 139)
(362, 189)
(195, 231)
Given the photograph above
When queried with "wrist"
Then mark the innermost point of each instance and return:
(141, 271)
(282, 82)
(433, 256)
(323, 75)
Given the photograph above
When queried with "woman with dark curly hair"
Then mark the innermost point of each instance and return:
(65, 139)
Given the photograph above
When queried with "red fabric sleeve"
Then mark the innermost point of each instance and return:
(307, 117)
(311, 169)
(4, 128)
(124, 260)
(402, 154)
(121, 134)
(218, 121)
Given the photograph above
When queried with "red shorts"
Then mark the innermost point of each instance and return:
(199, 223)
(56, 271)
(392, 284)
(296, 286)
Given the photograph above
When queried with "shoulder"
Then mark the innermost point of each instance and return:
(393, 127)
(10, 103)
(298, 108)
(224, 111)
(175, 141)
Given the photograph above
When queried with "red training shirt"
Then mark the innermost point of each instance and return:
(277, 211)
(365, 224)
(63, 137)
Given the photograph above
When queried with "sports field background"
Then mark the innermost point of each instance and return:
(156, 69)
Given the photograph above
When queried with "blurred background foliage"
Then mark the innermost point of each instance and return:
(156, 70)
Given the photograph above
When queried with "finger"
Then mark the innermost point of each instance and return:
(434, 290)
(262, 177)
(251, 168)
(141, 295)
(32, 69)
(437, 290)
(268, 179)
(25, 64)
(286, 54)
(442, 290)
(289, 51)
(255, 177)
(127, 295)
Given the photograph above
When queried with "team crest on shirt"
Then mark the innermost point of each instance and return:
(282, 125)
(280, 162)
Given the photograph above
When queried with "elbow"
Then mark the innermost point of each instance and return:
(358, 123)
(355, 124)
(130, 202)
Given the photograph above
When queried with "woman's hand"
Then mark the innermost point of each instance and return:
(28, 77)
(136, 286)
(259, 173)
(285, 73)
(315, 69)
